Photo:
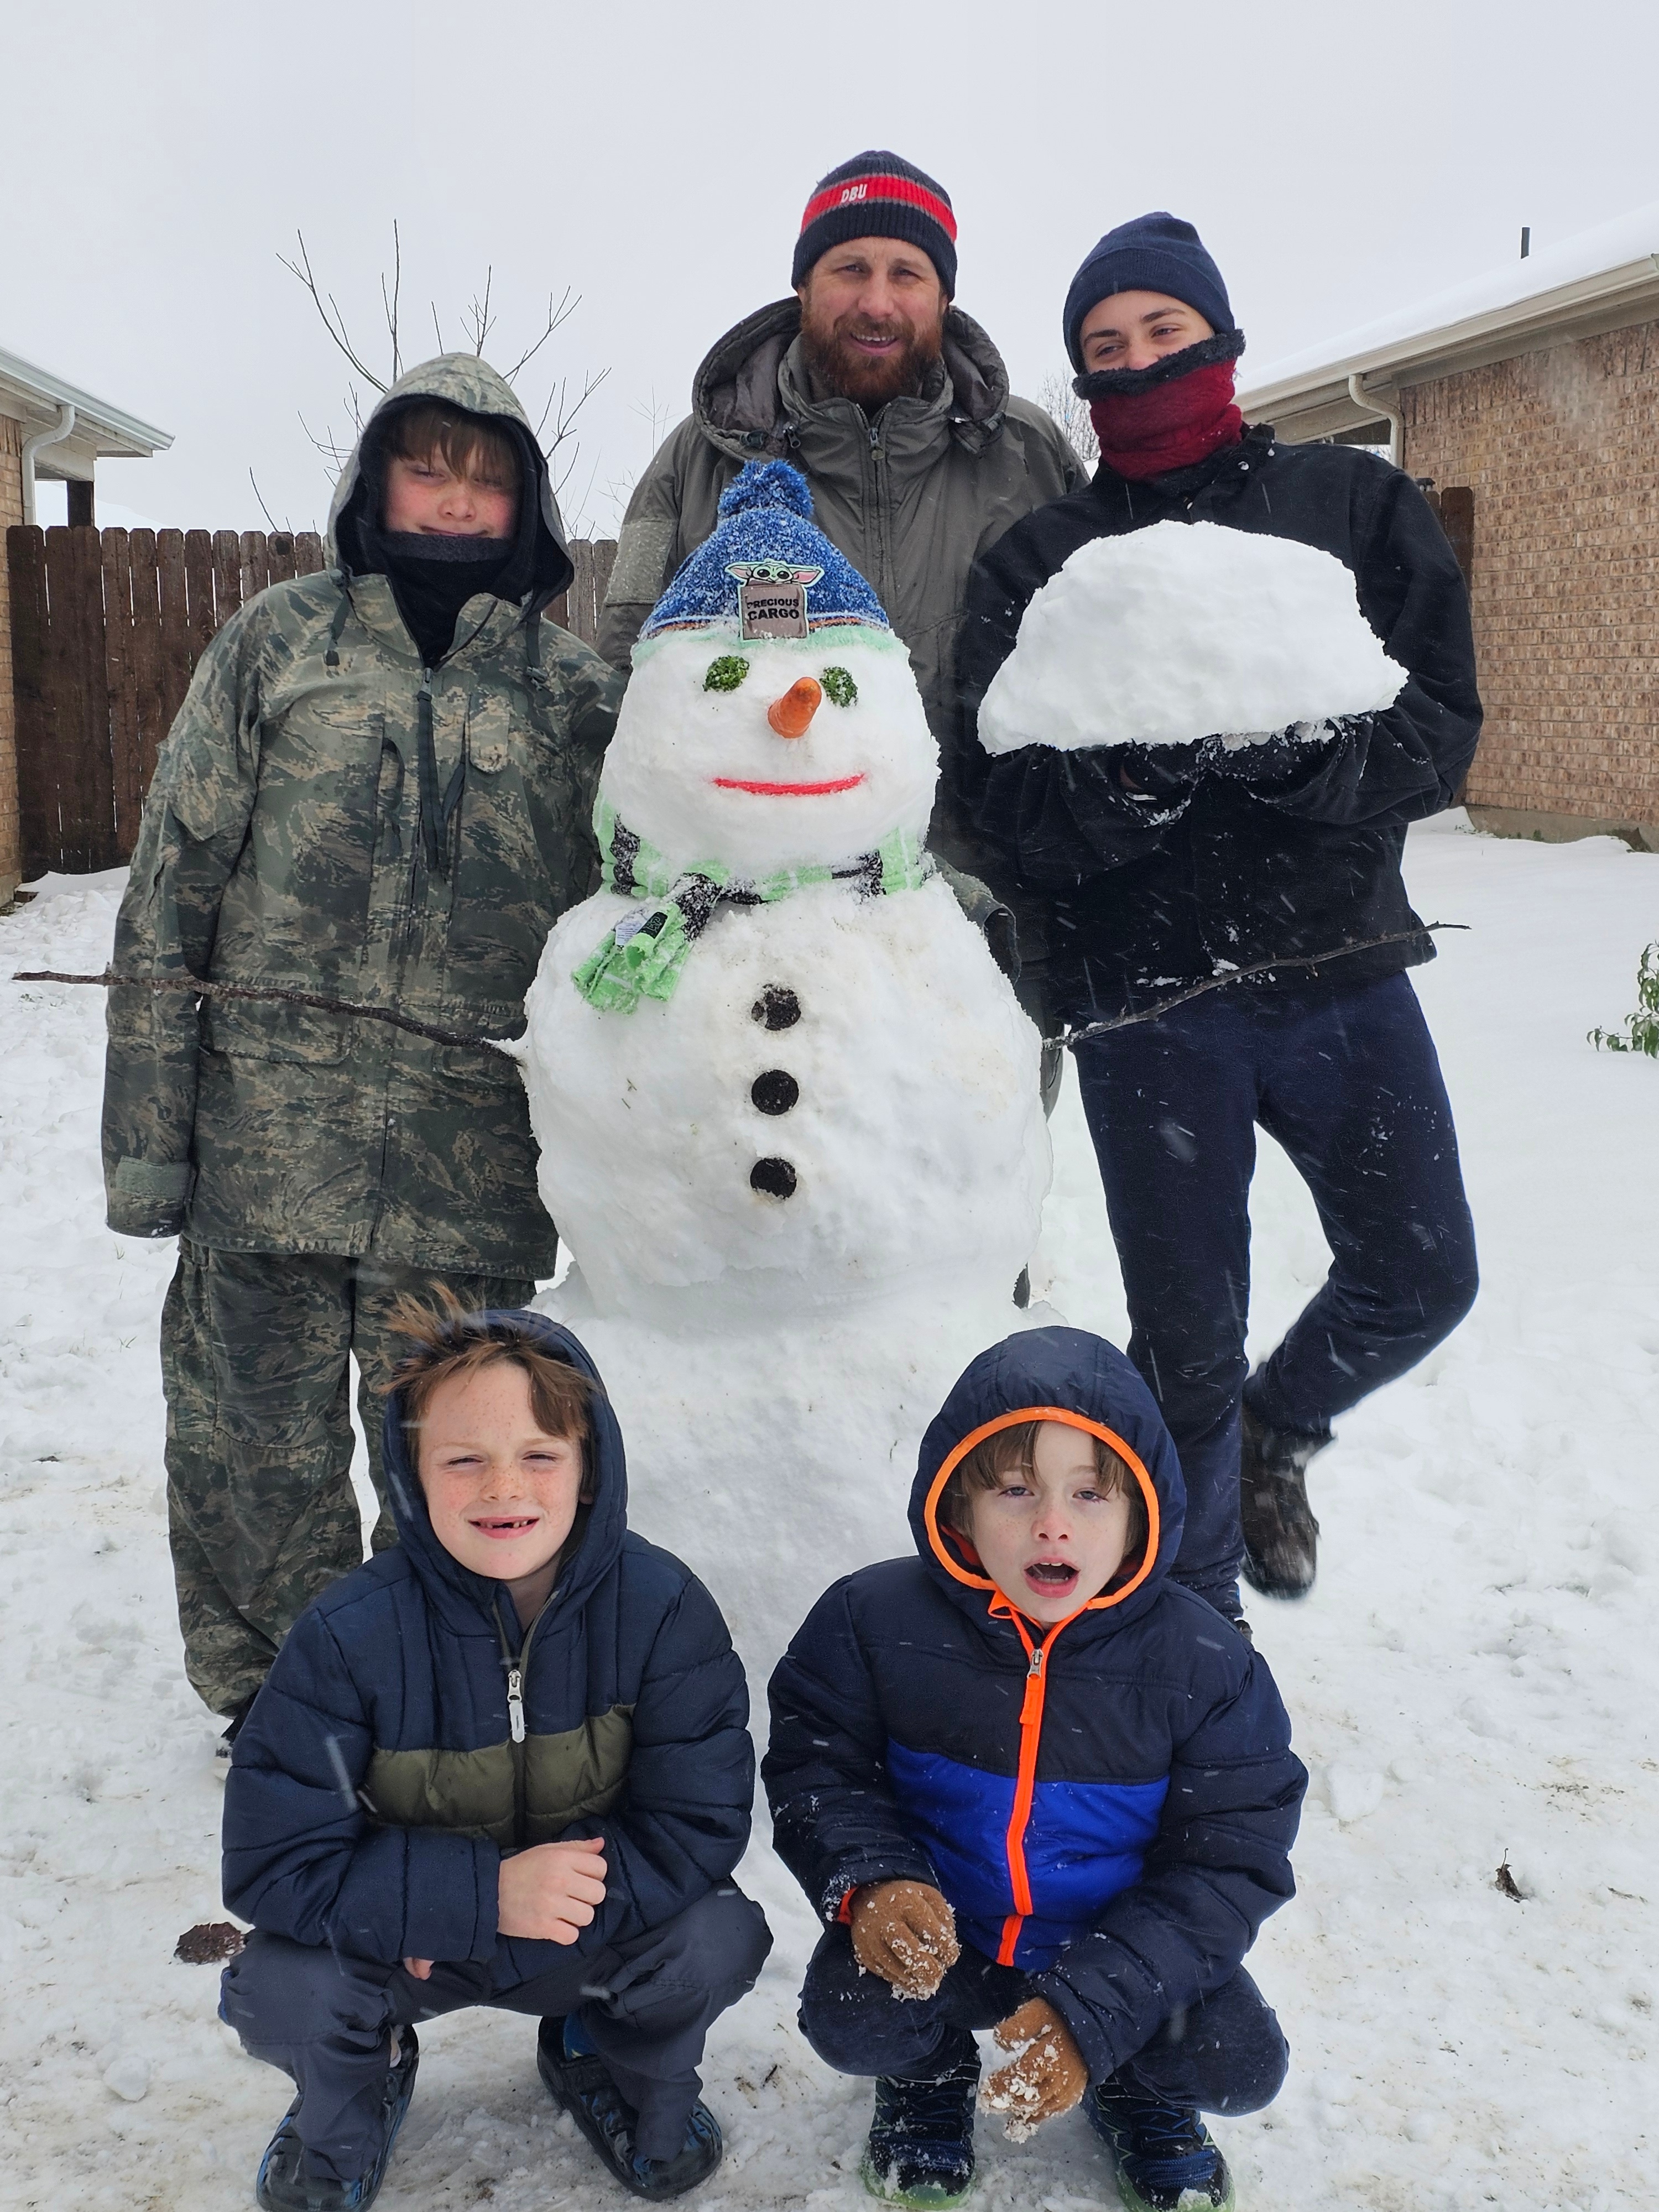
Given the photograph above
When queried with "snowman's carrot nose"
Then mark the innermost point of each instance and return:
(791, 715)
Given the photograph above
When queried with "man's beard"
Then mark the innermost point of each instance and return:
(838, 365)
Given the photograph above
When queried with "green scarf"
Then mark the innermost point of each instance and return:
(641, 957)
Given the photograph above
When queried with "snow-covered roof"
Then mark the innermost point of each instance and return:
(1598, 281)
(34, 397)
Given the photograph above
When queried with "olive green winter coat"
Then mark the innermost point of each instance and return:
(282, 845)
(912, 496)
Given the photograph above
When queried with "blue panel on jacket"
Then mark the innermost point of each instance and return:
(1084, 1841)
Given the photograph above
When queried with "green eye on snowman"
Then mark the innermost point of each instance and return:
(726, 673)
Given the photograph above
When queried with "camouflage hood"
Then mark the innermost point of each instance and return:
(460, 379)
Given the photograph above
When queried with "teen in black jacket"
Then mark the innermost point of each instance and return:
(1137, 870)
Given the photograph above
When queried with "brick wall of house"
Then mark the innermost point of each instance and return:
(11, 510)
(1559, 448)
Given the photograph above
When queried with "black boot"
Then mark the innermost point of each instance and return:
(1281, 1537)
(581, 2083)
(920, 2151)
(285, 2186)
(237, 1713)
(1163, 2154)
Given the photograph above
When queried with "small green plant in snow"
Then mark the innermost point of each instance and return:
(1641, 1028)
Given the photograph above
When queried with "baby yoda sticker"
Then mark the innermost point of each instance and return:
(772, 597)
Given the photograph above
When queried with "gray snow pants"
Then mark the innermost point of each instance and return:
(647, 2003)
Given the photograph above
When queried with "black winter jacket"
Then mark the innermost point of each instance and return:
(376, 1782)
(1289, 850)
(1149, 1750)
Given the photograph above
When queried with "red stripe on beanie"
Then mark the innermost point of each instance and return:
(852, 192)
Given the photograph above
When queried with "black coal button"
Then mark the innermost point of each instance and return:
(780, 1009)
(772, 1178)
(775, 1091)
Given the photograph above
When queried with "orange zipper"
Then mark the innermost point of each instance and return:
(1030, 1732)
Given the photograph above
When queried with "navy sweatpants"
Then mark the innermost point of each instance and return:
(1348, 1082)
(326, 2020)
(1224, 2055)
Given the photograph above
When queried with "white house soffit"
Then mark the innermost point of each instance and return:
(117, 434)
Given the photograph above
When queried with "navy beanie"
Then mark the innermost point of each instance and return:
(1154, 254)
(875, 195)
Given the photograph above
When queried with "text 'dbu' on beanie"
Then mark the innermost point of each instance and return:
(1156, 253)
(767, 569)
(877, 195)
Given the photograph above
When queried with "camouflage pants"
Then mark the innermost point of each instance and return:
(256, 1349)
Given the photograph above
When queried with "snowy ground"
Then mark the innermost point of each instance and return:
(1475, 1678)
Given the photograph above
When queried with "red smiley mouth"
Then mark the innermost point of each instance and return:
(787, 790)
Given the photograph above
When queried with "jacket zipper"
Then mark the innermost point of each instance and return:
(878, 504)
(515, 1670)
(424, 743)
(1030, 1735)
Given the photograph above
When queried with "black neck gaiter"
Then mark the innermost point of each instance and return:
(433, 577)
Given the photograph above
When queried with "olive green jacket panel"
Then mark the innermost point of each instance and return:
(280, 847)
(516, 1794)
(912, 498)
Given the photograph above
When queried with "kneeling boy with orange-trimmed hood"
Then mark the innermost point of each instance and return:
(1031, 1784)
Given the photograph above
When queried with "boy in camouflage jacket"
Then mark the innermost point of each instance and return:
(378, 789)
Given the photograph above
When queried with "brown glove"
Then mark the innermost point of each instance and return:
(1046, 2079)
(906, 1932)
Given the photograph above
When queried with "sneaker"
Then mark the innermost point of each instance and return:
(578, 2080)
(1165, 2157)
(1281, 1537)
(284, 2184)
(920, 2150)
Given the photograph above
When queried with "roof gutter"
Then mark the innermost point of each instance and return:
(1314, 397)
(54, 435)
(1374, 404)
(124, 434)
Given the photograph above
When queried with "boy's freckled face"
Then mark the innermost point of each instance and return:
(426, 498)
(1051, 1539)
(503, 1494)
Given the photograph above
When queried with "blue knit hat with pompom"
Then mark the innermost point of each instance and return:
(765, 531)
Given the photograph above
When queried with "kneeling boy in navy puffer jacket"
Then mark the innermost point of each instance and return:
(1030, 1784)
(505, 1763)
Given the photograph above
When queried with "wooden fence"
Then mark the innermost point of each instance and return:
(106, 627)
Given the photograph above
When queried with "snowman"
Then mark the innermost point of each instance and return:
(771, 1067)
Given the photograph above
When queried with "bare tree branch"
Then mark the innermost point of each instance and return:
(198, 987)
(1073, 1038)
(260, 497)
(333, 321)
(478, 320)
(1063, 406)
(479, 316)
(567, 409)
(562, 313)
(391, 306)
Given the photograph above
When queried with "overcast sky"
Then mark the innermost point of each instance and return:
(1339, 161)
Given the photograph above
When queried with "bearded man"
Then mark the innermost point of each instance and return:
(892, 402)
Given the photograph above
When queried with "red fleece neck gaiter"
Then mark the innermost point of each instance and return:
(1171, 426)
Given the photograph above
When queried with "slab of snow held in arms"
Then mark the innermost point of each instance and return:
(1475, 1677)
(1184, 631)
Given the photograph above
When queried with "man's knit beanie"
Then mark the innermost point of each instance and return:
(1154, 254)
(875, 195)
(765, 536)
